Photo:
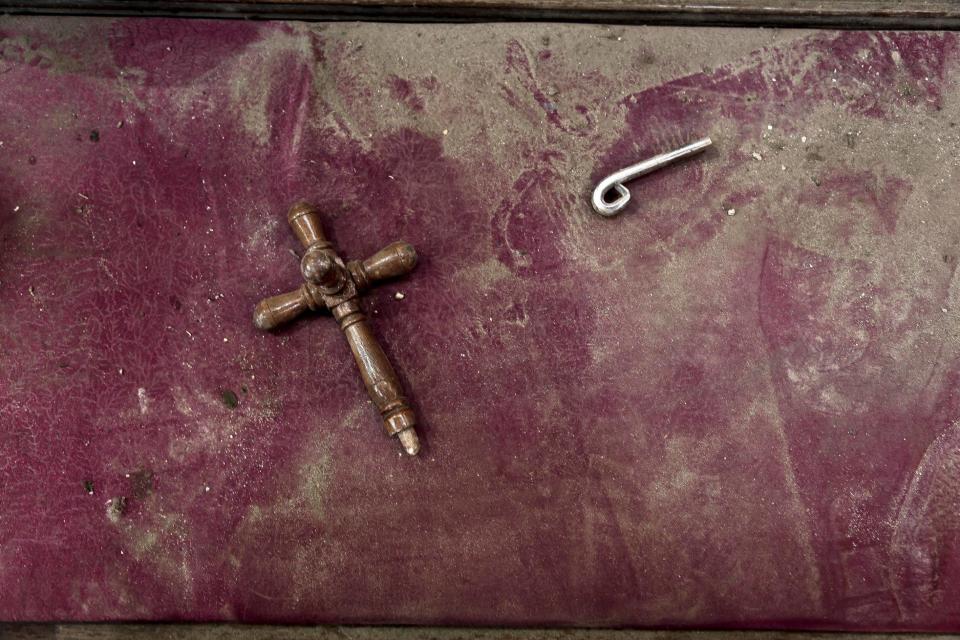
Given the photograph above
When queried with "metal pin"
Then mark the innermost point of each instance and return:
(615, 180)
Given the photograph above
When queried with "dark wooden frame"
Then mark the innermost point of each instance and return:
(270, 632)
(845, 14)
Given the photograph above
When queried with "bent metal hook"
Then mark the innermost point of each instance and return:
(615, 180)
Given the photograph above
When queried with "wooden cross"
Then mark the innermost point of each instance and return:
(337, 286)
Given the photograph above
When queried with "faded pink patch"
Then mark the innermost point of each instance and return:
(402, 91)
(519, 68)
(859, 191)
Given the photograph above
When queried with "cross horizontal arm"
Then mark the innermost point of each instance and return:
(394, 260)
(272, 312)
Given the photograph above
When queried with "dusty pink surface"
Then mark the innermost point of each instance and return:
(675, 417)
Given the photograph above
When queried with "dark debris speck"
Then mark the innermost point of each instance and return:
(230, 399)
(88, 486)
(141, 483)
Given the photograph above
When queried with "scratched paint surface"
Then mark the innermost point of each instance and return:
(736, 404)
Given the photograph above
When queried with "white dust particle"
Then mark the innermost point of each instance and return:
(114, 510)
(143, 400)
(731, 212)
(399, 296)
(757, 156)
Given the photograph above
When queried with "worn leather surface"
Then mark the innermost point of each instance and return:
(733, 405)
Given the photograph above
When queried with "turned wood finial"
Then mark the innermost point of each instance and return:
(331, 284)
